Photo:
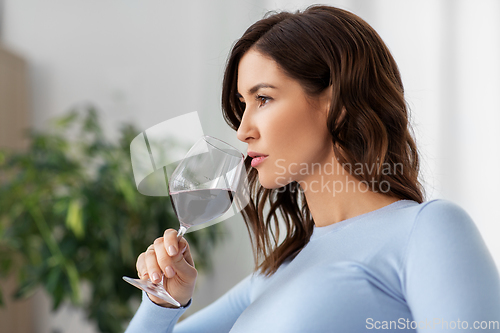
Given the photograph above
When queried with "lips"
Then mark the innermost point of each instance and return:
(257, 158)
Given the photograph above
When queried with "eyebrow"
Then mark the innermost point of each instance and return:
(256, 88)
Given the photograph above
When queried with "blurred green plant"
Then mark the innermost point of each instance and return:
(70, 216)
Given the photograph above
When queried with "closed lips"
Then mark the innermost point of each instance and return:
(257, 158)
(255, 155)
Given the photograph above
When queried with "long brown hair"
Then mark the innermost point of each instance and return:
(325, 47)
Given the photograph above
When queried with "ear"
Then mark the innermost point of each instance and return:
(325, 99)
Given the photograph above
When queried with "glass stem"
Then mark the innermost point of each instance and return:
(181, 232)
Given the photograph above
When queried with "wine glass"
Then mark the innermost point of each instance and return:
(202, 188)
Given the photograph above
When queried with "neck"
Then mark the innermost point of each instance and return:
(339, 196)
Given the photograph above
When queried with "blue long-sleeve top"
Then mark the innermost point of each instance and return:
(404, 267)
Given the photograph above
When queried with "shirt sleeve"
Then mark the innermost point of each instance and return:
(218, 317)
(450, 280)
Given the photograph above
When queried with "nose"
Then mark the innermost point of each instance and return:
(247, 129)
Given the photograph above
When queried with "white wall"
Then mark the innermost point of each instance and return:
(149, 60)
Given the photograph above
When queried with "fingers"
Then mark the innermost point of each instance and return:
(142, 270)
(186, 251)
(153, 270)
(163, 259)
(178, 256)
(171, 242)
(141, 264)
(169, 256)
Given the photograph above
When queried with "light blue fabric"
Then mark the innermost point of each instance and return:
(393, 269)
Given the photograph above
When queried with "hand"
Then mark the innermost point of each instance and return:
(172, 258)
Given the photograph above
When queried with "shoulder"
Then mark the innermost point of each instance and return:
(442, 217)
(443, 228)
(447, 267)
(442, 232)
(443, 209)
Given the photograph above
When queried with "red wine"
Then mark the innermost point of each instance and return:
(199, 206)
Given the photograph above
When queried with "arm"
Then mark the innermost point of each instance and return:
(448, 272)
(218, 317)
(154, 318)
(221, 315)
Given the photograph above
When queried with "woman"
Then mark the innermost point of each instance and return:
(319, 100)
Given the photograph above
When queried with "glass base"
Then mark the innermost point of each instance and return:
(155, 289)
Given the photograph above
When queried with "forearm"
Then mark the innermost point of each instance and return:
(152, 318)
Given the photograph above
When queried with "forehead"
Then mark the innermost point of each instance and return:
(255, 68)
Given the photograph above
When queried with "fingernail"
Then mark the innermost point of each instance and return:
(169, 272)
(184, 249)
(156, 277)
(172, 251)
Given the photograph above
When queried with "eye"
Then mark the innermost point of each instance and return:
(262, 100)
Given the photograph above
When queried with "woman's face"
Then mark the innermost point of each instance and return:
(281, 123)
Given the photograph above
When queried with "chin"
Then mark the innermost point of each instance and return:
(273, 182)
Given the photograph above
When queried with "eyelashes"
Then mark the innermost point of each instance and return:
(261, 100)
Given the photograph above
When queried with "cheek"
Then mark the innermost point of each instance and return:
(303, 137)
(295, 137)
(310, 144)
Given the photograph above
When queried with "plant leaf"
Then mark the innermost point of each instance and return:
(74, 219)
(74, 282)
(67, 120)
